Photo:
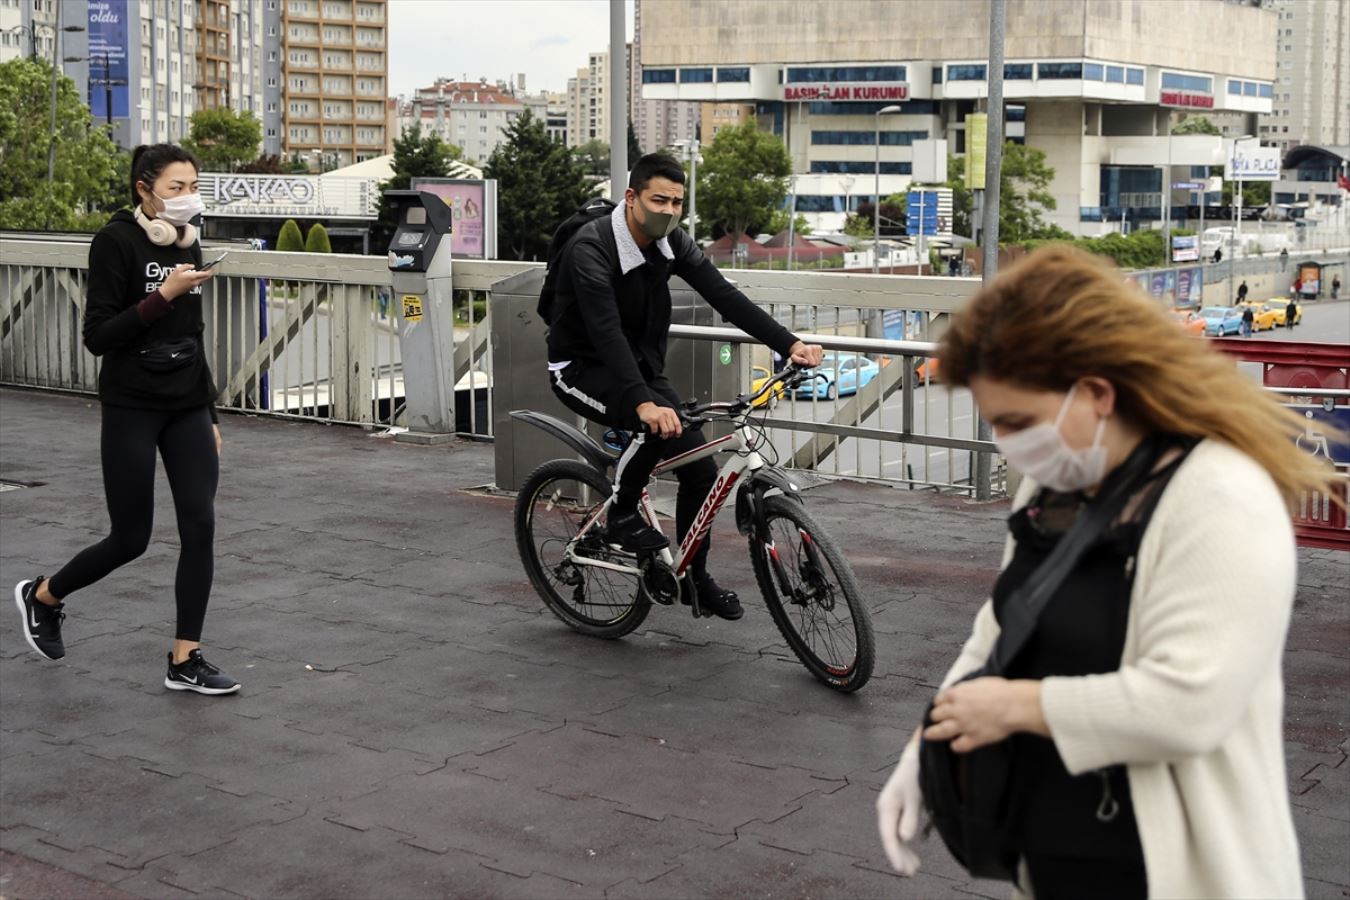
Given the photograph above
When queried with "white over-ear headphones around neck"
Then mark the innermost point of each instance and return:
(162, 234)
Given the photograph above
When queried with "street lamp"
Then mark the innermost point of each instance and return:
(690, 150)
(32, 32)
(876, 208)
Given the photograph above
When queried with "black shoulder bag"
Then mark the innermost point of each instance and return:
(967, 794)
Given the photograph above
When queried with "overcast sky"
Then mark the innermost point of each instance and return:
(548, 40)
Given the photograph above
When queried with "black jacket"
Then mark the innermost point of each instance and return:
(621, 320)
(125, 312)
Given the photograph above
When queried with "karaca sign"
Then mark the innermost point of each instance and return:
(891, 91)
(1187, 99)
(278, 196)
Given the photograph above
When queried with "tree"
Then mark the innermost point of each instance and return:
(222, 139)
(1024, 194)
(1195, 125)
(743, 179)
(296, 165)
(594, 157)
(267, 164)
(894, 217)
(317, 241)
(289, 240)
(539, 184)
(84, 185)
(415, 156)
(634, 151)
(779, 222)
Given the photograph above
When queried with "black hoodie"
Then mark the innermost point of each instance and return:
(125, 312)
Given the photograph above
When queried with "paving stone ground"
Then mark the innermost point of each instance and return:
(415, 724)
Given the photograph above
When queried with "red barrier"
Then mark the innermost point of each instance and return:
(1319, 521)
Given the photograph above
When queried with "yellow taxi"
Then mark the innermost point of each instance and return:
(759, 375)
(1280, 309)
(1263, 317)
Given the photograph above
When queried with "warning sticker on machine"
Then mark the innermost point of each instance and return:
(412, 308)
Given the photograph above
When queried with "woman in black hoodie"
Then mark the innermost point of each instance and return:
(143, 316)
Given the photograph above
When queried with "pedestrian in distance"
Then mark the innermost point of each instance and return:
(953, 266)
(1291, 314)
(1284, 258)
(143, 317)
(1335, 287)
(1218, 254)
(1242, 291)
(1143, 719)
(1248, 320)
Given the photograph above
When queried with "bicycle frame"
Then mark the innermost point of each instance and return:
(742, 461)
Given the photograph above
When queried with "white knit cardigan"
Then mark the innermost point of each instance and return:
(1196, 710)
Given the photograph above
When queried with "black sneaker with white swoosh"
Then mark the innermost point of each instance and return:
(196, 674)
(41, 623)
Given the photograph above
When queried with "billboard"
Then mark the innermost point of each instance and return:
(1190, 287)
(977, 138)
(289, 196)
(473, 210)
(1186, 248)
(108, 58)
(1248, 163)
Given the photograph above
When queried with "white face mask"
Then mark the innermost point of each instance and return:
(1041, 453)
(180, 210)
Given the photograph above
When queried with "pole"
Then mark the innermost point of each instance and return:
(792, 217)
(107, 92)
(993, 169)
(51, 143)
(923, 210)
(876, 198)
(1167, 196)
(693, 184)
(618, 102)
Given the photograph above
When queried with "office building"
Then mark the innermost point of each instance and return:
(1312, 84)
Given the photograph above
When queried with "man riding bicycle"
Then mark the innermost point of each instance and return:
(607, 349)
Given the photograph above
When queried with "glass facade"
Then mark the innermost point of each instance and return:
(908, 108)
(937, 74)
(1094, 72)
(867, 138)
(658, 76)
(966, 73)
(1134, 76)
(858, 167)
(1115, 74)
(733, 74)
(1175, 81)
(1017, 71)
(825, 74)
(696, 76)
(1059, 70)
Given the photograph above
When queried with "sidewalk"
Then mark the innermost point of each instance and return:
(414, 724)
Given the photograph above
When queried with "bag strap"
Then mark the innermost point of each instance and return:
(1023, 609)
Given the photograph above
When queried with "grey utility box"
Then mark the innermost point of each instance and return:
(699, 370)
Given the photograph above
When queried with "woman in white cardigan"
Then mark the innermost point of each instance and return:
(1074, 370)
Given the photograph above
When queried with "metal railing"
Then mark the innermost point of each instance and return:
(315, 337)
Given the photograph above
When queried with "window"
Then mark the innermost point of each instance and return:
(867, 138)
(937, 74)
(1115, 74)
(1234, 86)
(966, 73)
(658, 76)
(1059, 70)
(1177, 82)
(696, 76)
(909, 108)
(1249, 88)
(1134, 76)
(1017, 71)
(733, 74)
(1016, 113)
(1093, 72)
(1265, 90)
(819, 74)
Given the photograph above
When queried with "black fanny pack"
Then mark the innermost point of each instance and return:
(170, 355)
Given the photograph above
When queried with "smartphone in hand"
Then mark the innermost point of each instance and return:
(206, 266)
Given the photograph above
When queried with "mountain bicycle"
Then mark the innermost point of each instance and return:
(602, 590)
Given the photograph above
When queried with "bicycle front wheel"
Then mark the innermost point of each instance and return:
(556, 500)
(813, 596)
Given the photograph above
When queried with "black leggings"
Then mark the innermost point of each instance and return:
(188, 445)
(589, 391)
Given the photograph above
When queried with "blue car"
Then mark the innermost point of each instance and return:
(838, 375)
(1222, 320)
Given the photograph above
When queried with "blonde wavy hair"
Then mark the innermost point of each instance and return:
(1062, 314)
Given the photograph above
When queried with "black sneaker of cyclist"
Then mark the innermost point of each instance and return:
(41, 623)
(196, 674)
(630, 531)
(715, 599)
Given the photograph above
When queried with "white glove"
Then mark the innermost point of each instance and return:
(898, 811)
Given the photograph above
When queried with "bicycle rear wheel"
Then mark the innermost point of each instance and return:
(813, 596)
(556, 500)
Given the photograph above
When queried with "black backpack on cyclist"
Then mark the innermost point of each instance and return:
(598, 208)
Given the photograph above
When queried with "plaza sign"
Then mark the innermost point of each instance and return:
(290, 196)
(1249, 163)
(889, 92)
(1187, 99)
